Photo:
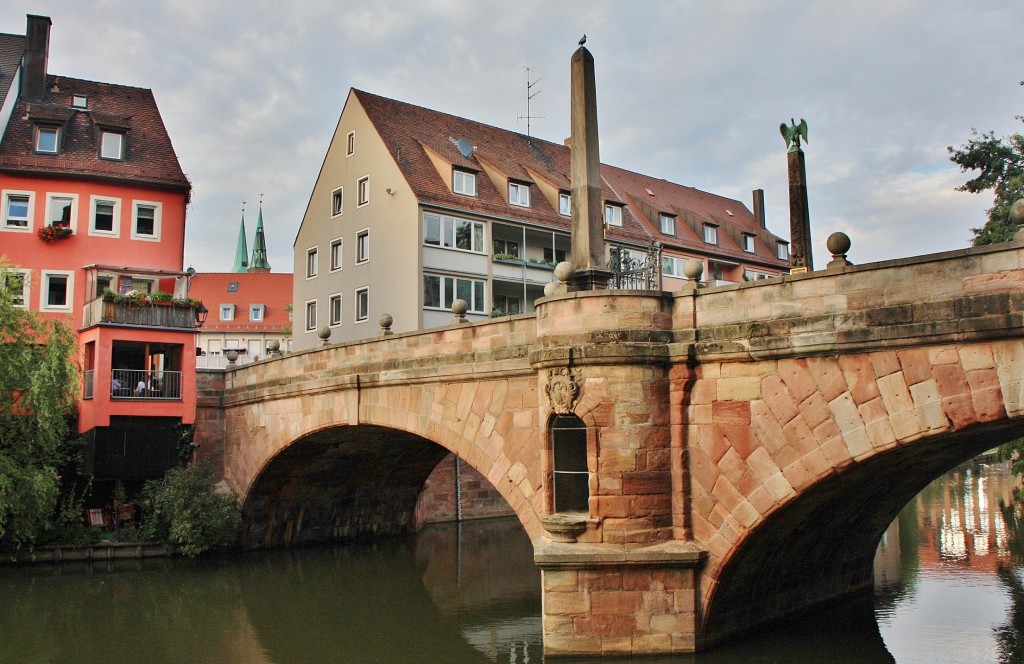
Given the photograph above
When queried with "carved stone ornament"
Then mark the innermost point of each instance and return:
(563, 390)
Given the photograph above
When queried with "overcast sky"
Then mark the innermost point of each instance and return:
(690, 91)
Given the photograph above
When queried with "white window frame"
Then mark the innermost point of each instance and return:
(667, 223)
(448, 282)
(29, 219)
(463, 182)
(73, 221)
(310, 316)
(564, 204)
(55, 130)
(612, 214)
(312, 262)
(782, 250)
(676, 270)
(748, 243)
(332, 320)
(115, 222)
(157, 217)
(350, 143)
(257, 312)
(337, 254)
(45, 289)
(26, 290)
(363, 191)
(227, 312)
(337, 202)
(79, 101)
(518, 194)
(363, 241)
(711, 234)
(446, 226)
(362, 314)
(104, 134)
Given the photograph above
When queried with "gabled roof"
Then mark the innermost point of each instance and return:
(410, 131)
(11, 49)
(273, 290)
(149, 157)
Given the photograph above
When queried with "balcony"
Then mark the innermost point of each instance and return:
(159, 314)
(134, 384)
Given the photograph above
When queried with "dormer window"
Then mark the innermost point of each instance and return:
(711, 233)
(782, 251)
(47, 139)
(748, 243)
(256, 312)
(668, 224)
(564, 203)
(519, 194)
(79, 101)
(612, 214)
(463, 182)
(111, 145)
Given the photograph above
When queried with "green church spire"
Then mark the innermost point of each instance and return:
(241, 249)
(258, 262)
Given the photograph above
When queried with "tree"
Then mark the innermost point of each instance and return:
(1001, 165)
(38, 381)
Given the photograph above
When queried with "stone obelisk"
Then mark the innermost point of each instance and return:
(589, 255)
(800, 258)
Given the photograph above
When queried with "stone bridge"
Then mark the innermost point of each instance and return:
(745, 446)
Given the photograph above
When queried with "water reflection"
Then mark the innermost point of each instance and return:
(948, 588)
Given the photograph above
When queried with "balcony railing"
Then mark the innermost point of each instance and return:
(142, 384)
(152, 315)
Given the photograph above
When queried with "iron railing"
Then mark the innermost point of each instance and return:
(633, 272)
(142, 384)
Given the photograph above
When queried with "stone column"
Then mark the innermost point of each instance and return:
(800, 258)
(588, 253)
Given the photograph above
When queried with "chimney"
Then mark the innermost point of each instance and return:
(759, 207)
(37, 50)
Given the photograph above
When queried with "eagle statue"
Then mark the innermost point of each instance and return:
(793, 132)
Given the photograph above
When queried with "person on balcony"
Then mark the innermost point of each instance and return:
(140, 389)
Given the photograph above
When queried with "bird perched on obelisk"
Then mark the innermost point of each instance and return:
(583, 40)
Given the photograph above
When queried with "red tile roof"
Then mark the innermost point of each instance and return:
(408, 130)
(11, 49)
(149, 157)
(273, 290)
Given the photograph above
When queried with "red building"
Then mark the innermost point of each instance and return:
(93, 202)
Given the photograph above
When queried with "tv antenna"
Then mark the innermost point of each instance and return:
(530, 94)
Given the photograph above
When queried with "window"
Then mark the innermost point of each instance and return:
(453, 233)
(16, 283)
(519, 194)
(56, 291)
(463, 182)
(363, 246)
(146, 222)
(672, 266)
(362, 304)
(233, 287)
(711, 233)
(506, 249)
(350, 144)
(564, 204)
(336, 247)
(312, 263)
(60, 210)
(311, 316)
(111, 145)
(612, 214)
(256, 312)
(103, 282)
(554, 255)
(106, 214)
(782, 251)
(439, 292)
(668, 224)
(46, 139)
(334, 307)
(363, 191)
(79, 101)
(748, 243)
(337, 201)
(506, 305)
(227, 312)
(754, 275)
(17, 210)
(569, 475)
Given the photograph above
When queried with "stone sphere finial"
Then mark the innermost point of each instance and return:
(1017, 211)
(274, 346)
(550, 289)
(564, 271)
(459, 308)
(693, 269)
(324, 333)
(232, 356)
(838, 245)
(385, 321)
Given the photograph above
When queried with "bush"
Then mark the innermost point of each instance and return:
(184, 509)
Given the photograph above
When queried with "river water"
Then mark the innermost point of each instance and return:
(948, 589)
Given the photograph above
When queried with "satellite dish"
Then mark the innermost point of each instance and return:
(465, 147)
